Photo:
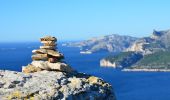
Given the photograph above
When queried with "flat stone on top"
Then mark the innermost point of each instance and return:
(48, 38)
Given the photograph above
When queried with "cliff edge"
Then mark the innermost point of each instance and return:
(48, 77)
(146, 54)
(52, 85)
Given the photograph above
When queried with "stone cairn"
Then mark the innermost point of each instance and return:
(48, 51)
(47, 58)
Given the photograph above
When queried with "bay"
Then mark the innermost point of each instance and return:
(127, 85)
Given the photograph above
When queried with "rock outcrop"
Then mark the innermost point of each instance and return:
(145, 46)
(107, 63)
(158, 41)
(52, 85)
(49, 78)
(122, 60)
(47, 58)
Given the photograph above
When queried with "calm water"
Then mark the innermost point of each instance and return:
(127, 85)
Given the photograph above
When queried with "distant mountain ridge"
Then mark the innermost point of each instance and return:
(110, 43)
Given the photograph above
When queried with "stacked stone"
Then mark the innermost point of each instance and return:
(48, 51)
(47, 57)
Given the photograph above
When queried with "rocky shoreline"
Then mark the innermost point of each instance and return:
(123, 60)
(146, 70)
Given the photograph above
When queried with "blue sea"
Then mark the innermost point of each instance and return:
(127, 85)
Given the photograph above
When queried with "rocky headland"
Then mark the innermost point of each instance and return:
(48, 77)
(158, 41)
(125, 59)
(153, 54)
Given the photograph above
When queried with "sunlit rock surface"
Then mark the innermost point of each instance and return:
(49, 85)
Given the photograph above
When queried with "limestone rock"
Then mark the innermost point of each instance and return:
(30, 69)
(107, 63)
(158, 41)
(122, 60)
(51, 85)
(45, 65)
(137, 47)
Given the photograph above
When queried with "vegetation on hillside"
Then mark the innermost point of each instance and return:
(157, 60)
(124, 59)
(119, 57)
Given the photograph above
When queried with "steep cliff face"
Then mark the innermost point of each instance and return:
(158, 41)
(142, 45)
(52, 85)
(122, 60)
(107, 63)
(164, 38)
(110, 43)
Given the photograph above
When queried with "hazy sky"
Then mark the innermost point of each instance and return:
(27, 20)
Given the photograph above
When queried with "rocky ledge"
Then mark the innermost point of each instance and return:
(50, 85)
(48, 77)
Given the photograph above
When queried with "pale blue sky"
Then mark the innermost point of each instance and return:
(27, 20)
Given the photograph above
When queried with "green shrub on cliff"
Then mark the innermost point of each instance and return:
(124, 59)
(119, 57)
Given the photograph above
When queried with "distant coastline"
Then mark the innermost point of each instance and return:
(146, 70)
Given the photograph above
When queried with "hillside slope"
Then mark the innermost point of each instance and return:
(155, 51)
(158, 41)
(109, 43)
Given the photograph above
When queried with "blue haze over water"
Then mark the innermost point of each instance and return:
(127, 85)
